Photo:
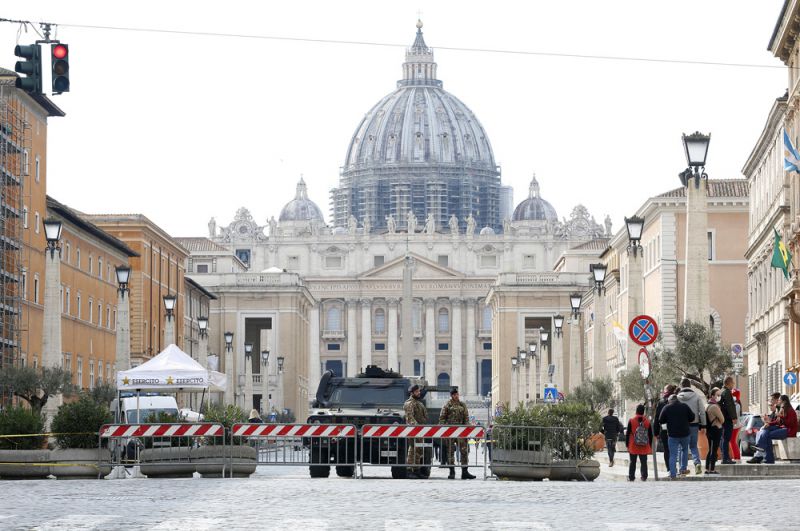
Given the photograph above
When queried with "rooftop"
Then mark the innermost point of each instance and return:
(717, 188)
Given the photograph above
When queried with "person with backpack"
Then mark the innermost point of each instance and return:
(611, 428)
(714, 421)
(637, 439)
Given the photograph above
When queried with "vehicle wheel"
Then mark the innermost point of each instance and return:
(345, 471)
(424, 472)
(319, 471)
(399, 472)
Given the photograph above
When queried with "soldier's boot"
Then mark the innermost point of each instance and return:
(465, 473)
(452, 474)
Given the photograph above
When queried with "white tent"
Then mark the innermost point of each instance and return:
(170, 370)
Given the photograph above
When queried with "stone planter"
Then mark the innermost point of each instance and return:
(522, 465)
(210, 460)
(29, 464)
(166, 462)
(574, 470)
(83, 463)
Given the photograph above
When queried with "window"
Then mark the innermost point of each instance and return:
(26, 162)
(334, 318)
(24, 217)
(99, 314)
(91, 264)
(100, 267)
(91, 310)
(336, 367)
(68, 308)
(333, 262)
(293, 262)
(38, 168)
(78, 257)
(443, 346)
(202, 268)
(443, 260)
(529, 261)
(108, 316)
(487, 346)
(91, 374)
(68, 362)
(36, 220)
(378, 260)
(114, 317)
(24, 284)
(417, 368)
(61, 298)
(79, 383)
(444, 321)
(334, 347)
(488, 260)
(380, 321)
(78, 306)
(486, 323)
(711, 245)
(36, 289)
(99, 372)
(244, 256)
(67, 252)
(108, 372)
(380, 346)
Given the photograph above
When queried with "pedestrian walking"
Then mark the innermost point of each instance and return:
(714, 421)
(611, 428)
(688, 396)
(728, 407)
(659, 429)
(455, 413)
(415, 413)
(677, 416)
(638, 436)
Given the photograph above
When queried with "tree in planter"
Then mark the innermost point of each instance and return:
(17, 420)
(36, 386)
(598, 393)
(79, 422)
(227, 415)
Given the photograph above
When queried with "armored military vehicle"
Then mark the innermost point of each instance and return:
(375, 396)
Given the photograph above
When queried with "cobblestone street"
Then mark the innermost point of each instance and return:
(288, 499)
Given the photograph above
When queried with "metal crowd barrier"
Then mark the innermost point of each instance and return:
(318, 446)
(535, 452)
(167, 450)
(419, 448)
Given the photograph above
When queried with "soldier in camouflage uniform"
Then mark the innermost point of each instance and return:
(455, 413)
(416, 413)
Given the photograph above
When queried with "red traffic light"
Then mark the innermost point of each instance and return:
(59, 51)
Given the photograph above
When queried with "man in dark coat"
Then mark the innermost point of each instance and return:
(728, 407)
(611, 428)
(677, 416)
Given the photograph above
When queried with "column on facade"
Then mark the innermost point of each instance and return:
(430, 342)
(575, 365)
(264, 341)
(391, 331)
(169, 330)
(123, 332)
(599, 367)
(314, 361)
(352, 338)
(515, 386)
(455, 346)
(202, 350)
(471, 372)
(51, 340)
(696, 303)
(557, 346)
(366, 333)
(635, 303)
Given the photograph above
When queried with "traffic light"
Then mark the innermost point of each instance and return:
(31, 68)
(59, 57)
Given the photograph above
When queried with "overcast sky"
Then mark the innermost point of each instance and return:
(181, 128)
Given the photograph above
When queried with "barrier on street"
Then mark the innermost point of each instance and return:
(415, 448)
(318, 446)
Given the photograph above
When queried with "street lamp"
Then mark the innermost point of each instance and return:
(514, 362)
(202, 324)
(169, 304)
(265, 357)
(575, 303)
(696, 148)
(280, 364)
(523, 356)
(544, 334)
(532, 348)
(52, 233)
(599, 273)
(228, 341)
(558, 322)
(634, 225)
(248, 350)
(123, 276)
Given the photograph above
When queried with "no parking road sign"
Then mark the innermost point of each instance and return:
(643, 330)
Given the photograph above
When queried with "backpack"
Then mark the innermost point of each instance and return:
(640, 435)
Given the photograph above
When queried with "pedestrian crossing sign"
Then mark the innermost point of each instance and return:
(550, 394)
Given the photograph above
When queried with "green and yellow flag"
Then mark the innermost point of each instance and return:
(781, 257)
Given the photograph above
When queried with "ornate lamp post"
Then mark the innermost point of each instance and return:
(282, 403)
(514, 381)
(51, 339)
(169, 327)
(123, 324)
(575, 361)
(265, 403)
(248, 376)
(524, 377)
(202, 355)
(599, 356)
(229, 394)
(635, 227)
(534, 359)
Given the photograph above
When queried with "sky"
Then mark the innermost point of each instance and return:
(183, 127)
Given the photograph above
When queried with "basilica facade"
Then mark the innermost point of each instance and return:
(443, 289)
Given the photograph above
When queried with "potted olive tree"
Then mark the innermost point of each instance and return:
(214, 454)
(78, 454)
(29, 451)
(167, 457)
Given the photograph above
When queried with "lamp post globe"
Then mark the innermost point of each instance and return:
(696, 148)
(265, 357)
(228, 340)
(280, 363)
(575, 303)
(248, 350)
(169, 303)
(202, 325)
(634, 225)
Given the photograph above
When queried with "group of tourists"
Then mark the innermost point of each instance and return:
(682, 414)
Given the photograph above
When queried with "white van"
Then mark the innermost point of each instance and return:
(149, 408)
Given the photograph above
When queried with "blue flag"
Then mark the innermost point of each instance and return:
(791, 160)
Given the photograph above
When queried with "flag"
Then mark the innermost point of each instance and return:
(791, 160)
(781, 257)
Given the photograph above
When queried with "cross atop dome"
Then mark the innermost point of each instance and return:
(419, 68)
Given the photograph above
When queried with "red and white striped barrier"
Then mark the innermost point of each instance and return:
(431, 432)
(293, 430)
(160, 430)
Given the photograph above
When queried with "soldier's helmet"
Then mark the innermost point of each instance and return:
(413, 388)
(453, 390)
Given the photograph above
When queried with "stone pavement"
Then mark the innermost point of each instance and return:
(285, 498)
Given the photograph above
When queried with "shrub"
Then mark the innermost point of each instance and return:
(19, 421)
(227, 416)
(80, 422)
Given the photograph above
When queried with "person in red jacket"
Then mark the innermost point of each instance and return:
(638, 446)
(787, 420)
(734, 444)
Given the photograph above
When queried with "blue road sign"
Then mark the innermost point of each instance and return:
(550, 394)
(789, 378)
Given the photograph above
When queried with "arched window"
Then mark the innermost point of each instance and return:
(443, 380)
(486, 321)
(334, 318)
(444, 321)
(380, 321)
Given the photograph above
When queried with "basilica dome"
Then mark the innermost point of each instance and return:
(418, 149)
(301, 208)
(534, 208)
